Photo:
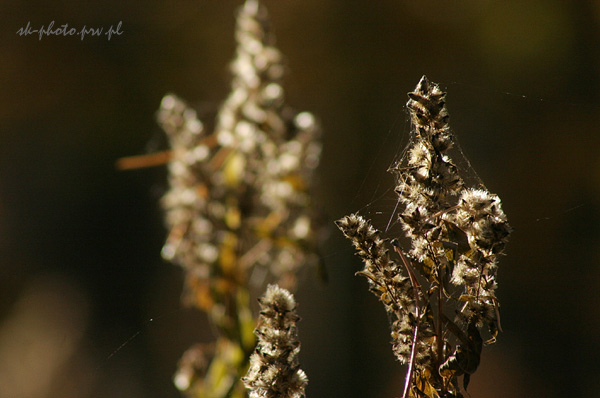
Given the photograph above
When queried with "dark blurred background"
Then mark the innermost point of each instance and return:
(89, 309)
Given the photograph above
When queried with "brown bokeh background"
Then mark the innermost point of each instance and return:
(88, 308)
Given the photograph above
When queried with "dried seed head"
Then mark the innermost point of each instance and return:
(456, 235)
(388, 282)
(274, 366)
(250, 178)
(428, 113)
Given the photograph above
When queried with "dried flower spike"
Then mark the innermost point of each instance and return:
(239, 207)
(443, 297)
(274, 366)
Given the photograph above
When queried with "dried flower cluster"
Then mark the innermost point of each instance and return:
(238, 199)
(392, 284)
(239, 213)
(274, 366)
(238, 207)
(456, 235)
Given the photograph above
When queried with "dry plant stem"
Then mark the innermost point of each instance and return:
(143, 161)
(438, 289)
(413, 348)
(409, 373)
